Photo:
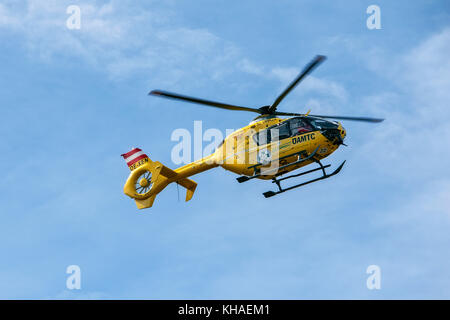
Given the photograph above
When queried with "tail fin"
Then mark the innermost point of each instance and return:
(135, 158)
(148, 178)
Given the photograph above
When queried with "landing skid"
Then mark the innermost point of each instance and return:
(268, 194)
(258, 172)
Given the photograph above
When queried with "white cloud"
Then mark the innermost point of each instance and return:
(325, 87)
(427, 72)
(122, 40)
(284, 74)
(119, 39)
(412, 140)
(250, 67)
(7, 19)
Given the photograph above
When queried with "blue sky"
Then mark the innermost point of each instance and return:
(73, 100)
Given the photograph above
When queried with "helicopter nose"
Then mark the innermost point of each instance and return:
(341, 130)
(343, 133)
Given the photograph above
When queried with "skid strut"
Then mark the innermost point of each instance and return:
(268, 194)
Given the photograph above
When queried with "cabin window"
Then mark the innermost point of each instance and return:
(283, 131)
(262, 137)
(275, 133)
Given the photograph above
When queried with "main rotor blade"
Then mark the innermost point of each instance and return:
(176, 96)
(314, 63)
(365, 119)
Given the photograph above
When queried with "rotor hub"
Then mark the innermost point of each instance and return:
(143, 182)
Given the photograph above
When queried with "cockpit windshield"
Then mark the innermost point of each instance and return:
(292, 127)
(321, 124)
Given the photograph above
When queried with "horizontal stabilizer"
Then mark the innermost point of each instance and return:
(190, 187)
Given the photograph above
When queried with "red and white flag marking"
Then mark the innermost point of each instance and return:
(134, 156)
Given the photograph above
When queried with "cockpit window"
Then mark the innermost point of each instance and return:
(299, 126)
(323, 124)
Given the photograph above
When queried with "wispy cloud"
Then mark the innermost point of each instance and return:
(421, 128)
(110, 39)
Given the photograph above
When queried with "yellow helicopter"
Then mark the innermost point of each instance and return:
(267, 148)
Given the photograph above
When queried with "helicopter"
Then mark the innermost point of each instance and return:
(266, 149)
